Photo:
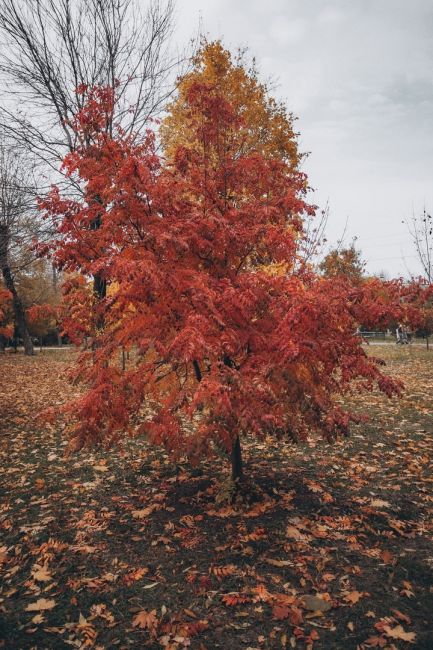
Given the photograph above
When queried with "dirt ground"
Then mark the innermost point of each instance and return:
(330, 546)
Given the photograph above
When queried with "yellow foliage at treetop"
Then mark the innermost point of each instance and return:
(267, 126)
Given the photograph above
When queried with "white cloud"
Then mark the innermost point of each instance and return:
(359, 76)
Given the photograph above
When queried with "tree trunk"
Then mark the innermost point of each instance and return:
(19, 313)
(236, 456)
(99, 283)
(427, 342)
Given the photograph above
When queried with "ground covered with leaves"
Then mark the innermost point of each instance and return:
(328, 546)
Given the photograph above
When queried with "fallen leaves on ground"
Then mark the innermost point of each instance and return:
(328, 546)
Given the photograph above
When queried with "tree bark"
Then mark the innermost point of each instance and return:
(236, 453)
(236, 456)
(99, 283)
(19, 313)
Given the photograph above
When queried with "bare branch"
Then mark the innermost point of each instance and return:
(50, 48)
(421, 231)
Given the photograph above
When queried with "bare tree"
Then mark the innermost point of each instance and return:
(16, 226)
(53, 48)
(421, 231)
(313, 244)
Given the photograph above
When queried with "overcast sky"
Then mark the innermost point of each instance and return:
(359, 76)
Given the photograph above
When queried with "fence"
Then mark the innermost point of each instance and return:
(382, 336)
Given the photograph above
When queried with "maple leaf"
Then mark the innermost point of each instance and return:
(38, 619)
(354, 596)
(295, 533)
(399, 633)
(101, 611)
(135, 575)
(146, 620)
(387, 557)
(40, 605)
(41, 573)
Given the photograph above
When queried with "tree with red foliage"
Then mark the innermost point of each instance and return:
(41, 319)
(225, 346)
(417, 307)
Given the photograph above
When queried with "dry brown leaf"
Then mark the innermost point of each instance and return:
(38, 619)
(41, 573)
(145, 620)
(354, 596)
(190, 613)
(234, 598)
(387, 557)
(261, 593)
(40, 605)
(135, 575)
(278, 563)
(295, 533)
(223, 571)
(145, 512)
(399, 633)
(379, 503)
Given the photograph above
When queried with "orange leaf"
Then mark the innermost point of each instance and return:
(261, 593)
(235, 598)
(354, 596)
(223, 571)
(399, 633)
(387, 557)
(40, 605)
(145, 620)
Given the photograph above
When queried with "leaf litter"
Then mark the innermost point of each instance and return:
(332, 548)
